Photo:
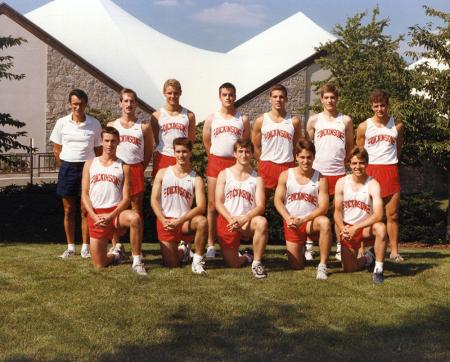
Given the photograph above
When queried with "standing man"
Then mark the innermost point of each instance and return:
(301, 198)
(358, 211)
(173, 192)
(240, 202)
(382, 136)
(221, 130)
(76, 139)
(135, 148)
(170, 122)
(106, 197)
(332, 134)
(274, 135)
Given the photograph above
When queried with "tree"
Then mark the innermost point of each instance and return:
(431, 80)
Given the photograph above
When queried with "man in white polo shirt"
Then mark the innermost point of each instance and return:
(76, 138)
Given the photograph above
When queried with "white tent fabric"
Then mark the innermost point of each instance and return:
(139, 57)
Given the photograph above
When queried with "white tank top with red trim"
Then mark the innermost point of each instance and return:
(301, 200)
(177, 194)
(225, 133)
(381, 143)
(329, 140)
(357, 206)
(277, 140)
(171, 127)
(239, 195)
(105, 184)
(131, 147)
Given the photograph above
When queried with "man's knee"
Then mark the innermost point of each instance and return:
(260, 223)
(324, 223)
(379, 229)
(134, 219)
(201, 223)
(392, 215)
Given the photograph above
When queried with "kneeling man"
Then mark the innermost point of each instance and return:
(106, 197)
(301, 198)
(358, 211)
(172, 196)
(240, 202)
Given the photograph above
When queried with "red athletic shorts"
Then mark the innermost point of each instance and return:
(172, 235)
(358, 238)
(217, 164)
(297, 235)
(100, 232)
(137, 179)
(161, 161)
(387, 176)
(227, 239)
(270, 172)
(331, 179)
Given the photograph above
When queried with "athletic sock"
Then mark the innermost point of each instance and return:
(84, 247)
(309, 245)
(378, 267)
(197, 258)
(71, 247)
(137, 259)
(255, 263)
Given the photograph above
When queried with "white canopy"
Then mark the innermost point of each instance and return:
(139, 57)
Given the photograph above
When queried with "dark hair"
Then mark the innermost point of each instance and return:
(279, 87)
(378, 95)
(79, 94)
(329, 88)
(305, 145)
(243, 143)
(227, 85)
(129, 91)
(110, 130)
(360, 152)
(182, 141)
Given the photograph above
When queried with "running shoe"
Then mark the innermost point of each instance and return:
(309, 255)
(378, 277)
(322, 273)
(85, 254)
(259, 272)
(199, 268)
(210, 252)
(67, 254)
(248, 253)
(186, 248)
(139, 269)
(396, 258)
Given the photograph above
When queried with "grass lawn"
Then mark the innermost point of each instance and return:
(63, 310)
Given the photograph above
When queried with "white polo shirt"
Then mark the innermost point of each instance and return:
(77, 140)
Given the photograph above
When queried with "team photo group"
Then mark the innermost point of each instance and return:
(326, 182)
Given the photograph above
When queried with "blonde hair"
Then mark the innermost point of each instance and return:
(172, 83)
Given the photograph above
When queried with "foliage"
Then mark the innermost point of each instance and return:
(199, 157)
(421, 219)
(9, 140)
(104, 116)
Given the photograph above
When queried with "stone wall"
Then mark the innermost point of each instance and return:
(62, 76)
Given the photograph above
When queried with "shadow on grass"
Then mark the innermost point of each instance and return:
(279, 334)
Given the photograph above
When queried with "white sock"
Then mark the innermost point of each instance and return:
(338, 247)
(309, 245)
(255, 263)
(84, 247)
(197, 258)
(137, 259)
(378, 267)
(71, 247)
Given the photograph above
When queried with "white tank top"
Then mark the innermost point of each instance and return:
(131, 147)
(381, 143)
(301, 200)
(277, 140)
(177, 194)
(171, 127)
(239, 195)
(225, 133)
(357, 206)
(329, 140)
(105, 184)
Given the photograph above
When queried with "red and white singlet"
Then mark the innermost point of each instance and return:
(105, 189)
(239, 195)
(357, 206)
(131, 146)
(301, 200)
(225, 133)
(329, 140)
(171, 127)
(177, 194)
(277, 140)
(381, 143)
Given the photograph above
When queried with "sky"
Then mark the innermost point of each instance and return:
(222, 25)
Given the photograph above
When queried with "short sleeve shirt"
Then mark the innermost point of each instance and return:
(77, 140)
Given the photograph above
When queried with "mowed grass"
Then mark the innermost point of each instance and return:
(64, 310)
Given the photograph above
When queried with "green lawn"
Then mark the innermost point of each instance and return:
(63, 310)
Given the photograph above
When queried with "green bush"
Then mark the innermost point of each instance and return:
(421, 219)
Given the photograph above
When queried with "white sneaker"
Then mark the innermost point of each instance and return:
(259, 272)
(322, 273)
(199, 268)
(186, 251)
(85, 254)
(210, 252)
(139, 269)
(309, 255)
(337, 256)
(338, 251)
(67, 254)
